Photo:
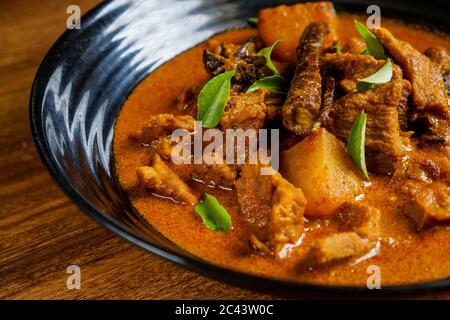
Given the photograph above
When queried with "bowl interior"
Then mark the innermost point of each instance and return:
(88, 73)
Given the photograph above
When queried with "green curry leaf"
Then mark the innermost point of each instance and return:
(374, 47)
(214, 216)
(276, 84)
(212, 99)
(337, 47)
(381, 76)
(266, 53)
(253, 21)
(356, 140)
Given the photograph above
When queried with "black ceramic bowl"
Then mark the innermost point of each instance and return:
(87, 75)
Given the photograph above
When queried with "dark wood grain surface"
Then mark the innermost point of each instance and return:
(41, 231)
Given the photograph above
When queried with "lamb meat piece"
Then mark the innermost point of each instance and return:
(425, 166)
(431, 126)
(358, 229)
(273, 207)
(354, 45)
(428, 89)
(303, 102)
(348, 68)
(447, 83)
(360, 218)
(160, 178)
(440, 58)
(157, 135)
(383, 143)
(274, 102)
(245, 111)
(215, 174)
(163, 125)
(286, 222)
(254, 193)
(427, 204)
(402, 107)
(249, 67)
(336, 247)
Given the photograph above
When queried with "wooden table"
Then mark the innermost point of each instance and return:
(41, 231)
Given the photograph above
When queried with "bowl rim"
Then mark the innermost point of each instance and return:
(252, 281)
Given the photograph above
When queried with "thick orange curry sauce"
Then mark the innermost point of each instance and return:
(404, 255)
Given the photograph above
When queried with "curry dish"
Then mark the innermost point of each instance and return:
(364, 170)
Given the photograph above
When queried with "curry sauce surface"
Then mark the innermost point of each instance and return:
(404, 255)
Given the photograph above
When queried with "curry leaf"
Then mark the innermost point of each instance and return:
(356, 140)
(381, 76)
(266, 53)
(253, 21)
(337, 47)
(276, 84)
(213, 214)
(374, 47)
(212, 99)
(365, 52)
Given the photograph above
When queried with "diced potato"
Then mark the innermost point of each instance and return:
(320, 166)
(286, 23)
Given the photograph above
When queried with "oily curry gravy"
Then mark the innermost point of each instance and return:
(404, 254)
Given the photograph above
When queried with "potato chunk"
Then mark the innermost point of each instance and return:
(320, 166)
(286, 23)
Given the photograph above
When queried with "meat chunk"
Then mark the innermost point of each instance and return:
(430, 126)
(354, 45)
(358, 229)
(427, 204)
(336, 247)
(428, 90)
(402, 107)
(250, 110)
(440, 58)
(360, 218)
(303, 102)
(288, 23)
(383, 142)
(274, 102)
(273, 207)
(424, 165)
(157, 134)
(254, 193)
(348, 68)
(249, 67)
(286, 219)
(163, 125)
(216, 174)
(245, 111)
(163, 180)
